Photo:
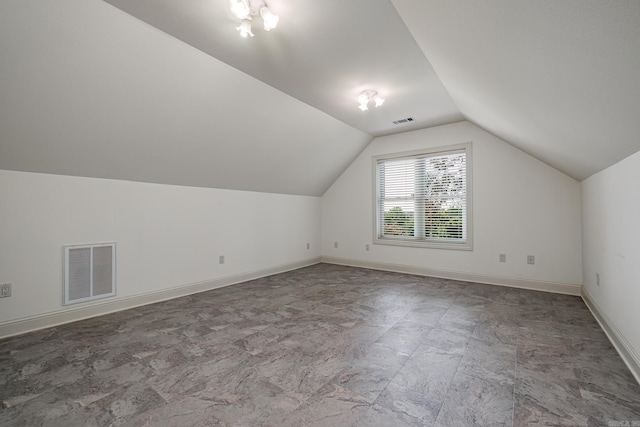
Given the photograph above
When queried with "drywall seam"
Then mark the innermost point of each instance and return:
(47, 320)
(627, 352)
(559, 288)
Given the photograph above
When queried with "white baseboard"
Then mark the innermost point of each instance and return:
(629, 354)
(559, 288)
(68, 315)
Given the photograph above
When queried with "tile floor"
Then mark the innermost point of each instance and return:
(325, 346)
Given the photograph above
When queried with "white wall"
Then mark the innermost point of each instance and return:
(521, 207)
(611, 232)
(167, 236)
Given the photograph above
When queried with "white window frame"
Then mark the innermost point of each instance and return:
(464, 244)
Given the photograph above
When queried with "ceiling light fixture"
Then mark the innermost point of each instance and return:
(245, 28)
(245, 10)
(369, 95)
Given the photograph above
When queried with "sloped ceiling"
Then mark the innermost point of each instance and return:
(165, 91)
(88, 90)
(558, 79)
(324, 53)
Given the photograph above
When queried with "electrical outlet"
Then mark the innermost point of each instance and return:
(335, 245)
(221, 260)
(597, 279)
(366, 247)
(503, 257)
(531, 259)
(308, 246)
(5, 290)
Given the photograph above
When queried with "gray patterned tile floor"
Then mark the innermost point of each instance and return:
(325, 346)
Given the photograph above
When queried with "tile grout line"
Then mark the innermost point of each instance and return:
(391, 380)
(411, 355)
(515, 375)
(444, 398)
(405, 362)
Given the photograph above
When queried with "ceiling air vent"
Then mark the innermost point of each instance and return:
(399, 122)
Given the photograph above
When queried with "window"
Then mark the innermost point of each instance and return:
(423, 198)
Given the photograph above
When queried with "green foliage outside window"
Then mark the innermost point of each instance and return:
(440, 223)
(398, 222)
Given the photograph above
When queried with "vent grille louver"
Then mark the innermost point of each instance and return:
(399, 122)
(89, 272)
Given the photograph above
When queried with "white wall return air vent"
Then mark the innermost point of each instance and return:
(89, 272)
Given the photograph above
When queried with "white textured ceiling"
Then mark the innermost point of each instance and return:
(558, 79)
(167, 92)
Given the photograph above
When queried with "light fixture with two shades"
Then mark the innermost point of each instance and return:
(245, 10)
(369, 96)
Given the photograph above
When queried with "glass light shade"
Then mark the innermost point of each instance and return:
(363, 99)
(379, 101)
(245, 28)
(363, 107)
(270, 20)
(240, 8)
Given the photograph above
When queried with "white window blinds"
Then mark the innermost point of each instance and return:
(423, 197)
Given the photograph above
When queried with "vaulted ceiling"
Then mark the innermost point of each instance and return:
(166, 91)
(559, 79)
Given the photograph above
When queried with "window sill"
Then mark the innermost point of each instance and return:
(467, 246)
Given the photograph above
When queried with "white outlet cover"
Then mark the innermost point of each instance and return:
(5, 291)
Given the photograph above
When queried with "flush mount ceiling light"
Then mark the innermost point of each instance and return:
(245, 10)
(369, 95)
